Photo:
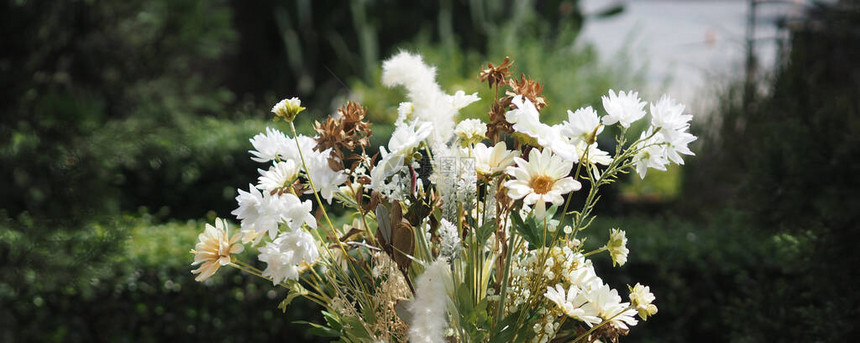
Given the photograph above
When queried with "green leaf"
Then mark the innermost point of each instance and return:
(296, 290)
(483, 233)
(527, 230)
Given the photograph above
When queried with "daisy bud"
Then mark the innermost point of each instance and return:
(287, 109)
(617, 247)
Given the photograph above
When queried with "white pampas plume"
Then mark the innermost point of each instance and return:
(429, 317)
(429, 102)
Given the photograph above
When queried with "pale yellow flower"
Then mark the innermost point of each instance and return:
(214, 249)
(493, 160)
(617, 247)
(642, 298)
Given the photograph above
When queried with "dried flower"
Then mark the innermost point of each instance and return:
(343, 133)
(497, 75)
(529, 89)
(214, 249)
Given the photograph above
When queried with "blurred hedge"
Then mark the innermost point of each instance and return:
(80, 286)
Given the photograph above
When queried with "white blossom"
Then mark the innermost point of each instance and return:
(269, 146)
(624, 108)
(543, 178)
(490, 161)
(642, 298)
(279, 175)
(571, 303)
(606, 302)
(326, 181)
(617, 246)
(580, 125)
(284, 255)
(262, 213)
(525, 120)
(471, 130)
(258, 213)
(652, 155)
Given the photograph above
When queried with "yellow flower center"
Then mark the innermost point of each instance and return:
(542, 184)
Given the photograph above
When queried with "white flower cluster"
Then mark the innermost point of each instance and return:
(286, 253)
(496, 192)
(665, 140)
(272, 203)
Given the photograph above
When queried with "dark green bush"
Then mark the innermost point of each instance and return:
(130, 280)
(789, 158)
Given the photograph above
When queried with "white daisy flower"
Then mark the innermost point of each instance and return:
(652, 156)
(326, 181)
(625, 108)
(669, 117)
(295, 212)
(460, 99)
(258, 212)
(525, 120)
(491, 161)
(406, 138)
(543, 178)
(471, 131)
(606, 302)
(269, 146)
(279, 175)
(572, 304)
(581, 124)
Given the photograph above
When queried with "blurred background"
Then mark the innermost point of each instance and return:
(125, 128)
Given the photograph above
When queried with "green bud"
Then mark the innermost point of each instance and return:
(287, 109)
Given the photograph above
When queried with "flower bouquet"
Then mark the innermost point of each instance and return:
(454, 231)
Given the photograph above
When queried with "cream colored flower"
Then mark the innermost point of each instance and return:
(642, 298)
(287, 109)
(543, 178)
(606, 303)
(471, 131)
(491, 161)
(214, 249)
(278, 176)
(617, 247)
(572, 303)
